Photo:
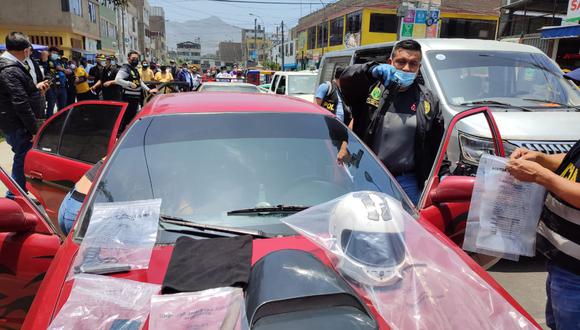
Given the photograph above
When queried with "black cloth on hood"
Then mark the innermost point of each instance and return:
(197, 265)
(19, 98)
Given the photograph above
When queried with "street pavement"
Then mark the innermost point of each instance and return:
(524, 280)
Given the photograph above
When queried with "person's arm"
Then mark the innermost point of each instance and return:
(19, 99)
(321, 92)
(144, 86)
(120, 79)
(355, 82)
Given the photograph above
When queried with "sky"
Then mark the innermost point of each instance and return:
(238, 14)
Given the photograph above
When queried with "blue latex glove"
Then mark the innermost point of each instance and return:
(384, 72)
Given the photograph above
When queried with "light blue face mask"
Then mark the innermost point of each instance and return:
(405, 79)
(54, 57)
(113, 62)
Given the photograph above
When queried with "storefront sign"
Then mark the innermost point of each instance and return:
(573, 11)
(420, 23)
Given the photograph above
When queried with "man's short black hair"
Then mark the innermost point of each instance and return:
(17, 41)
(53, 49)
(408, 44)
(132, 53)
(338, 72)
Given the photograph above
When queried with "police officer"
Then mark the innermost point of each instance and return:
(329, 96)
(54, 70)
(396, 116)
(95, 74)
(111, 92)
(132, 87)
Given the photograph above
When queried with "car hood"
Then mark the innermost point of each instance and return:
(527, 126)
(261, 247)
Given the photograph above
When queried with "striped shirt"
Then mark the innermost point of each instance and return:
(559, 228)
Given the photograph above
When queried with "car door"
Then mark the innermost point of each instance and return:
(28, 244)
(445, 202)
(67, 145)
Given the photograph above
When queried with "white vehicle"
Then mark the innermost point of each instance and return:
(534, 106)
(301, 84)
(234, 87)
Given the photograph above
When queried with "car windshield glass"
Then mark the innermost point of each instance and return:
(230, 88)
(301, 84)
(508, 77)
(204, 165)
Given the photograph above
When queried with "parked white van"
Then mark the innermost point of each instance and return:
(301, 84)
(533, 105)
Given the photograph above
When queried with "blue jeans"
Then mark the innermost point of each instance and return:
(19, 140)
(409, 184)
(563, 306)
(55, 96)
(67, 213)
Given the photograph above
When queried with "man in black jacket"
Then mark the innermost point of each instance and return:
(396, 116)
(20, 99)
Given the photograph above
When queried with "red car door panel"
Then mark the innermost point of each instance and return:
(25, 255)
(446, 202)
(67, 145)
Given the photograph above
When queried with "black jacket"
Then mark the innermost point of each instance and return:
(357, 85)
(19, 98)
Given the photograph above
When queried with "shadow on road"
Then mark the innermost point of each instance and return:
(524, 265)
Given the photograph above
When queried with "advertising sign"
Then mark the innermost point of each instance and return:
(573, 11)
(420, 23)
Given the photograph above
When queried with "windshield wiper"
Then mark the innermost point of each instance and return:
(497, 104)
(204, 227)
(554, 102)
(279, 209)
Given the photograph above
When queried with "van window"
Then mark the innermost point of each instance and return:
(274, 81)
(330, 65)
(281, 89)
(379, 55)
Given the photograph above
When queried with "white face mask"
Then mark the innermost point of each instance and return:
(72, 66)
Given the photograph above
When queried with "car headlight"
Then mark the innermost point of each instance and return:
(473, 147)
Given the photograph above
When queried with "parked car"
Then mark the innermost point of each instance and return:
(228, 153)
(234, 87)
(535, 107)
(301, 84)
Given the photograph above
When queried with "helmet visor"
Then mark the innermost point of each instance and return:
(374, 249)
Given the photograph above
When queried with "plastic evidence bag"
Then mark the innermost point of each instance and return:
(219, 309)
(414, 280)
(120, 237)
(98, 302)
(504, 212)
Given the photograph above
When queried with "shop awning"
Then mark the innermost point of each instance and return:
(557, 32)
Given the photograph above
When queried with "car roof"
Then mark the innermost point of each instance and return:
(448, 44)
(297, 73)
(224, 102)
(225, 83)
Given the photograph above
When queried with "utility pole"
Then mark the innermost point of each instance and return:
(256, 37)
(282, 45)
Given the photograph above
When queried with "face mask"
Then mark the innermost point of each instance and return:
(405, 79)
(54, 57)
(145, 66)
(103, 63)
(72, 66)
(113, 62)
(134, 62)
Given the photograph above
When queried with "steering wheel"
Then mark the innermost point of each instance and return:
(324, 189)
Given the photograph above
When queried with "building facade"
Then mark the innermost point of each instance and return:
(254, 46)
(157, 27)
(143, 11)
(189, 52)
(72, 25)
(230, 52)
(352, 23)
(108, 29)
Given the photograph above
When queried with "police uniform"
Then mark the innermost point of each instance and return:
(133, 96)
(332, 99)
(416, 106)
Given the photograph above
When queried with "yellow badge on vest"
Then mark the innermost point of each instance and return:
(374, 97)
(427, 107)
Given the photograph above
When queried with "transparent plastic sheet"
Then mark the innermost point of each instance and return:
(99, 302)
(220, 308)
(413, 279)
(504, 212)
(120, 237)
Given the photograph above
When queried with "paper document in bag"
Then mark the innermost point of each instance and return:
(507, 211)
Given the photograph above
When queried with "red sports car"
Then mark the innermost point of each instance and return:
(215, 160)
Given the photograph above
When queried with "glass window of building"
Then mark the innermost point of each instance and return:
(353, 22)
(336, 31)
(322, 40)
(384, 23)
(467, 28)
(312, 37)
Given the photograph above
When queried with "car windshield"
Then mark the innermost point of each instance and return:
(305, 84)
(230, 88)
(203, 166)
(517, 78)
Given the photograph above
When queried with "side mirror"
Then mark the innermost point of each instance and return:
(12, 218)
(453, 189)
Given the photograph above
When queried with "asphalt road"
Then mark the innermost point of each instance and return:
(524, 280)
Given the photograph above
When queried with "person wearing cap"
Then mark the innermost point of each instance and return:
(95, 74)
(111, 91)
(146, 72)
(133, 87)
(20, 99)
(54, 70)
(173, 68)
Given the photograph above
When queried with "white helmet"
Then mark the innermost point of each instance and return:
(368, 229)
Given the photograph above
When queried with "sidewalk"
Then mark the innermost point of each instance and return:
(5, 162)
